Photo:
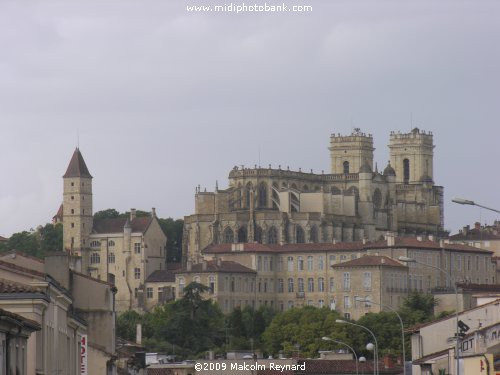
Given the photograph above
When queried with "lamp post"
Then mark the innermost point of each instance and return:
(472, 203)
(375, 366)
(343, 343)
(452, 282)
(400, 321)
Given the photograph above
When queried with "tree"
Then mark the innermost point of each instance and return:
(51, 238)
(126, 324)
(25, 242)
(109, 213)
(301, 329)
(173, 229)
(418, 308)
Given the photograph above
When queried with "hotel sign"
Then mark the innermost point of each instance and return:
(83, 355)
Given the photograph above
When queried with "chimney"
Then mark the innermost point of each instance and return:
(419, 238)
(219, 262)
(391, 239)
(138, 334)
(189, 265)
(431, 237)
(388, 363)
(382, 260)
(153, 212)
(477, 225)
(441, 243)
(204, 265)
(57, 266)
(132, 214)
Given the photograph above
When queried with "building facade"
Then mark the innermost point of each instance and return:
(335, 274)
(123, 251)
(351, 203)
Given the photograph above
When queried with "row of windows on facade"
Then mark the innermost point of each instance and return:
(365, 304)
(264, 285)
(302, 263)
(271, 236)
(111, 243)
(458, 262)
(262, 194)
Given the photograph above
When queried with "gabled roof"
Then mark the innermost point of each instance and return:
(116, 225)
(371, 261)
(2, 238)
(77, 166)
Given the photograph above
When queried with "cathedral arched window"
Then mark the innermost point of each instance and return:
(299, 235)
(314, 234)
(406, 171)
(262, 195)
(242, 234)
(258, 234)
(346, 167)
(353, 190)
(248, 190)
(95, 244)
(294, 186)
(95, 258)
(111, 258)
(377, 199)
(335, 190)
(272, 236)
(111, 243)
(228, 235)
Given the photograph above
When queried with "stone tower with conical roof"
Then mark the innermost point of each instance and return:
(77, 206)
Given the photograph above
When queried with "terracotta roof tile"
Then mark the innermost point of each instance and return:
(3, 239)
(115, 225)
(8, 286)
(408, 242)
(370, 261)
(27, 322)
(15, 267)
(77, 166)
(223, 266)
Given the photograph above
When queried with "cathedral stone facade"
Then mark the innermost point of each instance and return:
(353, 202)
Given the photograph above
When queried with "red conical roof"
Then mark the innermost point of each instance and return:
(77, 166)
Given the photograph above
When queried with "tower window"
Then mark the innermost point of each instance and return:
(72, 197)
(406, 170)
(72, 184)
(72, 211)
(72, 225)
(346, 167)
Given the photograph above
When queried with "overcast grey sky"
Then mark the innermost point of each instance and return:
(164, 99)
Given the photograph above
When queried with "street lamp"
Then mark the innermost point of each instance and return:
(375, 367)
(343, 343)
(400, 320)
(472, 203)
(362, 360)
(452, 281)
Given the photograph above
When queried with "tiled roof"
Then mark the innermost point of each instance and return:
(324, 366)
(417, 327)
(8, 286)
(174, 266)
(115, 225)
(480, 287)
(222, 266)
(370, 261)
(21, 254)
(402, 242)
(161, 276)
(15, 267)
(59, 214)
(475, 235)
(2, 238)
(77, 166)
(424, 359)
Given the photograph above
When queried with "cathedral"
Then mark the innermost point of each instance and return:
(353, 202)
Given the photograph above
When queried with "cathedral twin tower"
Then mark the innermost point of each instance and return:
(352, 203)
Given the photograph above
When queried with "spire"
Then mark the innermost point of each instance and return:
(77, 166)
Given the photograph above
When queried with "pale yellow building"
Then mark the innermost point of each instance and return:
(123, 251)
(351, 203)
(290, 275)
